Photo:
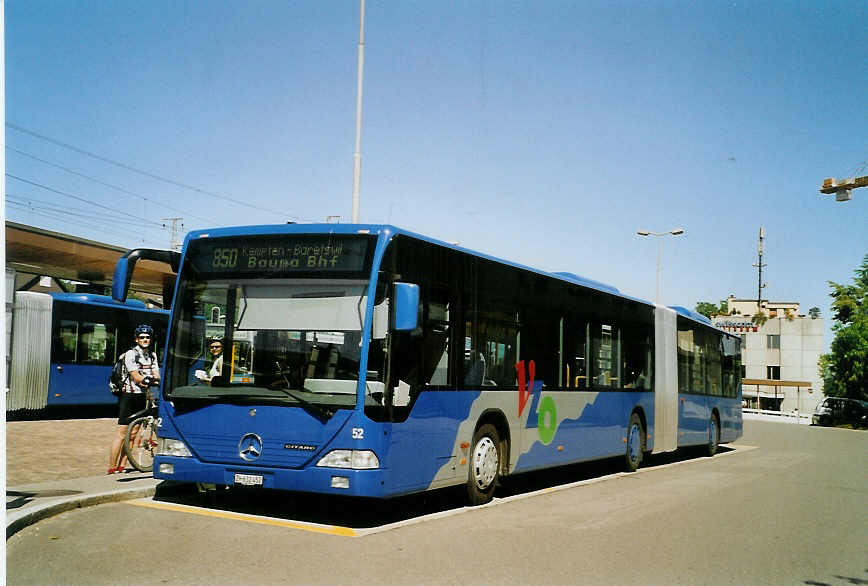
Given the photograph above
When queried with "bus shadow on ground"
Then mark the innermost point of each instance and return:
(367, 513)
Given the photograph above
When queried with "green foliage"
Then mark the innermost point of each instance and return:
(848, 301)
(814, 312)
(759, 318)
(845, 368)
(709, 309)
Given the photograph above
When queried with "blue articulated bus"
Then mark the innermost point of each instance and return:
(370, 361)
(64, 346)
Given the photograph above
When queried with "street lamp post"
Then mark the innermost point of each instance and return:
(357, 155)
(673, 232)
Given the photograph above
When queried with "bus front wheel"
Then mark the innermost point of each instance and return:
(484, 465)
(635, 443)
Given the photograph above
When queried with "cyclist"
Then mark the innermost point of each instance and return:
(143, 372)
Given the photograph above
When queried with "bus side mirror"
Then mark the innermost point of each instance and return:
(124, 271)
(122, 277)
(406, 298)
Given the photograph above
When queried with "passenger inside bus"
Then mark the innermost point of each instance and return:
(474, 368)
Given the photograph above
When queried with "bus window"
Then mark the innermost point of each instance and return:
(606, 352)
(685, 357)
(715, 371)
(697, 384)
(96, 344)
(490, 347)
(418, 359)
(636, 359)
(575, 355)
(435, 345)
(66, 337)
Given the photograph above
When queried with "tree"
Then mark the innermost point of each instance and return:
(759, 318)
(709, 309)
(845, 368)
(814, 312)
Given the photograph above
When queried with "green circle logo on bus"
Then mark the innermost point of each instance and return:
(543, 413)
(547, 420)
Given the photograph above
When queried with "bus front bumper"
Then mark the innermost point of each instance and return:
(365, 483)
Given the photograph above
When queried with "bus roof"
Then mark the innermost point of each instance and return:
(390, 230)
(92, 298)
(691, 314)
(698, 317)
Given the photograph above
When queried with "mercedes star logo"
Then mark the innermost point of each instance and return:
(250, 447)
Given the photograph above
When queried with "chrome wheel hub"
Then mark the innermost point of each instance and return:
(484, 463)
(634, 443)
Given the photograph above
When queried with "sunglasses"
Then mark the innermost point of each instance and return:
(145, 337)
(216, 347)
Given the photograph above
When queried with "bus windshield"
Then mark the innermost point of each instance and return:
(284, 341)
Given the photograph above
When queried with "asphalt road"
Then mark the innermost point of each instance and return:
(789, 506)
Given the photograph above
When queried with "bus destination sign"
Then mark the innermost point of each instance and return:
(280, 254)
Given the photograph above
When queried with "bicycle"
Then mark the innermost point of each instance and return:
(140, 441)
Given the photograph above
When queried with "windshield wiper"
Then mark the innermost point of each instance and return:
(321, 413)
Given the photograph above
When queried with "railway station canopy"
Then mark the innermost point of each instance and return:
(38, 252)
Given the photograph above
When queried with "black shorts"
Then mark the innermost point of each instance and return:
(129, 404)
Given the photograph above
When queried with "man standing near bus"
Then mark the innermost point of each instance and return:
(143, 372)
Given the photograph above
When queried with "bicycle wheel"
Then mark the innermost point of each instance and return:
(140, 443)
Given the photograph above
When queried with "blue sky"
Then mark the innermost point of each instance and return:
(542, 132)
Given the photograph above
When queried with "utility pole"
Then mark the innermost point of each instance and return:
(759, 265)
(357, 155)
(175, 243)
(841, 187)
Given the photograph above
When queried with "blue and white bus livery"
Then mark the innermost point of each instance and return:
(378, 362)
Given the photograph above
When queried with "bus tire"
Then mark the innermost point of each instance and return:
(713, 434)
(636, 444)
(485, 461)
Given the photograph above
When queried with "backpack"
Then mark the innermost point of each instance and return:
(118, 375)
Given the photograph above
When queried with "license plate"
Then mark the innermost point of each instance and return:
(248, 479)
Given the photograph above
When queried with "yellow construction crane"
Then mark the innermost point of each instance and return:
(841, 187)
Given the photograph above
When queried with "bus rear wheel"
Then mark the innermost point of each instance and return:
(485, 460)
(713, 435)
(635, 443)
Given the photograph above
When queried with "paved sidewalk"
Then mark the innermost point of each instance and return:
(53, 466)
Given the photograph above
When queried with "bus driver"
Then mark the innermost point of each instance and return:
(215, 365)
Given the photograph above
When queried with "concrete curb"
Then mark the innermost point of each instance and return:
(42, 508)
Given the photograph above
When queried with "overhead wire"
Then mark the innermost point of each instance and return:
(139, 219)
(103, 183)
(80, 217)
(63, 217)
(84, 152)
(75, 212)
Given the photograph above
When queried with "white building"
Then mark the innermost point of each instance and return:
(780, 369)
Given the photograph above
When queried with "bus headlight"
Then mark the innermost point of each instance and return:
(173, 447)
(353, 459)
